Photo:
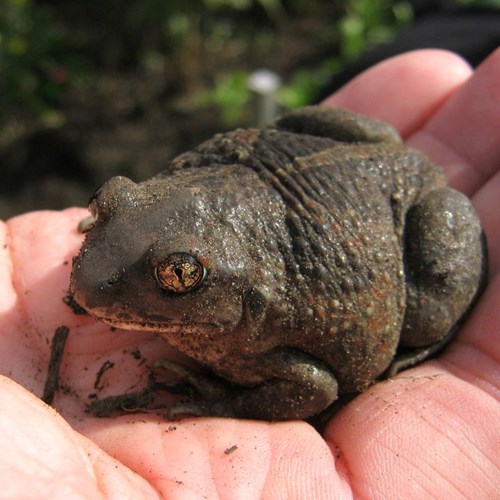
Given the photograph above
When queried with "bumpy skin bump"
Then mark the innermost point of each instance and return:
(328, 248)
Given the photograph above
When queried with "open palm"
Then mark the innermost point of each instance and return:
(430, 432)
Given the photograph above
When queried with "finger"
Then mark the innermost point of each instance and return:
(404, 90)
(36, 265)
(474, 355)
(42, 457)
(425, 434)
(40, 246)
(487, 204)
(225, 458)
(464, 134)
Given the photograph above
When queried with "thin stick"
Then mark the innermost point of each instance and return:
(56, 355)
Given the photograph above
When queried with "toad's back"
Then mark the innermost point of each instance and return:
(341, 238)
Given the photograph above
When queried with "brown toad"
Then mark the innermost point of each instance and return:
(298, 263)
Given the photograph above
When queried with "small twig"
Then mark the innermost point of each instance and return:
(56, 355)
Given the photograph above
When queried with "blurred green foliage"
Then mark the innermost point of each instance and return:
(231, 94)
(34, 66)
(364, 23)
(368, 22)
(480, 3)
(45, 52)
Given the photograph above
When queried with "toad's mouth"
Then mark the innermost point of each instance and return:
(163, 326)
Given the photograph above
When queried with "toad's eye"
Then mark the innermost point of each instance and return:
(180, 273)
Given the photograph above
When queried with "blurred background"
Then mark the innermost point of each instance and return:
(94, 89)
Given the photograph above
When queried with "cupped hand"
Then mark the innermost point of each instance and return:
(431, 432)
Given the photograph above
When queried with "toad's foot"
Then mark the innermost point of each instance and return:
(294, 386)
(446, 267)
(215, 394)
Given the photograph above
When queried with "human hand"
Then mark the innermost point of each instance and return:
(431, 431)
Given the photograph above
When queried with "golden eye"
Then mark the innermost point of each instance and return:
(180, 273)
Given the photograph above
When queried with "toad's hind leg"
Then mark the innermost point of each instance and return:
(445, 265)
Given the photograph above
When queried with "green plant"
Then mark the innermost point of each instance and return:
(303, 86)
(33, 70)
(230, 94)
(181, 31)
(368, 22)
(364, 23)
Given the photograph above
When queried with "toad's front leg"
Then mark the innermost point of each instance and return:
(296, 386)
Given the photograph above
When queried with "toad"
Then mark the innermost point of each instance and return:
(298, 263)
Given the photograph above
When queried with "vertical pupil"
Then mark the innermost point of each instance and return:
(179, 273)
